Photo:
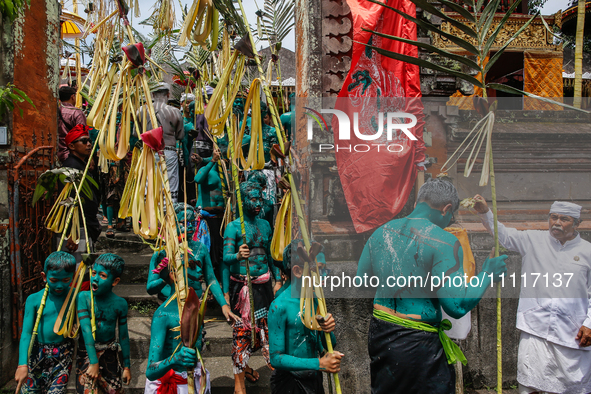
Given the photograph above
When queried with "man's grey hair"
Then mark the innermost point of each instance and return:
(438, 193)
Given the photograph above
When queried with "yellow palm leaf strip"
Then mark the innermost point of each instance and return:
(67, 315)
(109, 140)
(138, 192)
(256, 155)
(54, 213)
(152, 196)
(188, 24)
(75, 226)
(102, 98)
(125, 127)
(215, 29)
(282, 233)
(148, 98)
(213, 108)
(204, 22)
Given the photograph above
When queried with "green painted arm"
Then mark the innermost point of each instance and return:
(124, 336)
(155, 284)
(84, 316)
(28, 322)
(210, 278)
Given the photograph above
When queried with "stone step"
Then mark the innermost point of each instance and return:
(134, 293)
(218, 337)
(137, 266)
(128, 242)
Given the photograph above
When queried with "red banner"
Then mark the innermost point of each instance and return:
(378, 182)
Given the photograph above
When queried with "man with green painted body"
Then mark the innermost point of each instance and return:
(164, 368)
(48, 369)
(295, 349)
(409, 350)
(257, 251)
(210, 198)
(155, 284)
(98, 366)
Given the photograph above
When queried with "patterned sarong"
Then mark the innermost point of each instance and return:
(49, 368)
(109, 380)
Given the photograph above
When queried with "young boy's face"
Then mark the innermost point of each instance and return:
(102, 280)
(59, 281)
(189, 224)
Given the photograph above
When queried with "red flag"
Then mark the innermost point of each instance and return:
(377, 183)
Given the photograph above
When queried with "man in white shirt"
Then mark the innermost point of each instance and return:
(554, 317)
(171, 121)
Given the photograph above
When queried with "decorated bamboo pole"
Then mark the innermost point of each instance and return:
(280, 134)
(242, 227)
(496, 254)
(579, 37)
(277, 63)
(78, 68)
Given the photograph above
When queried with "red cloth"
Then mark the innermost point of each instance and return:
(169, 383)
(244, 297)
(78, 131)
(377, 184)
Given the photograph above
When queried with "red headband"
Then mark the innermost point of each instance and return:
(77, 131)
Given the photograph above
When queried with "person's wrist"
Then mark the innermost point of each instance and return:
(22, 366)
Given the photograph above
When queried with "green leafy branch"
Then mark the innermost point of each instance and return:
(47, 182)
(12, 8)
(10, 96)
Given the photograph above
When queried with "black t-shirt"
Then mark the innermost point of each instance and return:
(90, 206)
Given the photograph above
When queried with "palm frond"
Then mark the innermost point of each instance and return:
(278, 19)
(232, 18)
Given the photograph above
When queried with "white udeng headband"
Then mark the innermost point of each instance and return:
(566, 208)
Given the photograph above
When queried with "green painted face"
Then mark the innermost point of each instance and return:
(190, 223)
(253, 202)
(59, 281)
(101, 280)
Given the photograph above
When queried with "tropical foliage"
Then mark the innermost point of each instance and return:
(10, 96)
(11, 8)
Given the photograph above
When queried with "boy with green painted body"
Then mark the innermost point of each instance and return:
(155, 284)
(295, 349)
(98, 365)
(164, 368)
(48, 369)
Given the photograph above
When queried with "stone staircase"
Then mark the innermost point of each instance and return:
(218, 338)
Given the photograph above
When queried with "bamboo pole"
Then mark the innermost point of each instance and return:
(242, 227)
(78, 67)
(579, 53)
(280, 134)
